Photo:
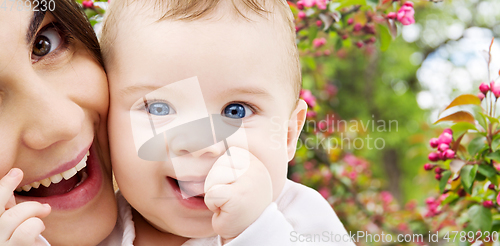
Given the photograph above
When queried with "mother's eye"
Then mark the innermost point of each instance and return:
(159, 108)
(46, 42)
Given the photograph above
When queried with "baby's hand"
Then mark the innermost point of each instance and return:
(238, 189)
(20, 224)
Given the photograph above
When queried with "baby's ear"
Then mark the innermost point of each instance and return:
(295, 124)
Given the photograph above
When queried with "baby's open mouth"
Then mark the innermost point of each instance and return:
(57, 184)
(188, 189)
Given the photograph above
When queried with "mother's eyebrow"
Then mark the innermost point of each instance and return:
(35, 23)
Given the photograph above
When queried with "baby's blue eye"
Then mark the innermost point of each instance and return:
(236, 111)
(159, 108)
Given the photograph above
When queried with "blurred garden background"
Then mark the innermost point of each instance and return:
(377, 75)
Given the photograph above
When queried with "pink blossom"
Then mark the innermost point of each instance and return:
(450, 154)
(443, 147)
(448, 130)
(391, 15)
(428, 166)
(495, 89)
(321, 4)
(310, 114)
(308, 97)
(300, 5)
(87, 4)
(434, 142)
(498, 198)
(405, 15)
(319, 23)
(350, 21)
(324, 192)
(318, 42)
(386, 197)
(308, 3)
(488, 204)
(408, 3)
(433, 156)
(331, 89)
(480, 96)
(301, 15)
(484, 88)
(445, 138)
(357, 27)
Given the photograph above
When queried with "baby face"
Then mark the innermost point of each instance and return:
(167, 77)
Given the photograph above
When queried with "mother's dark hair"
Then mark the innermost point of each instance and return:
(70, 15)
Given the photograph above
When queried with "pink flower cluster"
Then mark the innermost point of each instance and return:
(443, 147)
(485, 88)
(433, 205)
(405, 14)
(318, 42)
(308, 97)
(310, 3)
(87, 4)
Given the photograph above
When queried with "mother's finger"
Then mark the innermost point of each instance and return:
(7, 186)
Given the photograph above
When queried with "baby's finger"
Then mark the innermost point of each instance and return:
(7, 186)
(17, 215)
(27, 232)
(228, 168)
(217, 196)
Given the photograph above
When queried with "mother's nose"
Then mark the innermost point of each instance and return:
(49, 115)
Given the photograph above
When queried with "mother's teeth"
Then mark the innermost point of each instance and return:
(45, 182)
(26, 187)
(35, 185)
(81, 164)
(70, 173)
(58, 177)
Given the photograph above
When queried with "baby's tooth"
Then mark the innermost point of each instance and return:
(56, 178)
(82, 164)
(70, 173)
(46, 182)
(35, 185)
(26, 187)
(88, 153)
(19, 189)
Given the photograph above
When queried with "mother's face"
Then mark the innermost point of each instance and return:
(53, 107)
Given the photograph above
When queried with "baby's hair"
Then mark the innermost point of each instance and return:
(191, 10)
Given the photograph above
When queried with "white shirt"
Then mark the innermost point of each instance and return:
(300, 216)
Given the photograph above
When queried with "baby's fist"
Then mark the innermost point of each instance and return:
(238, 189)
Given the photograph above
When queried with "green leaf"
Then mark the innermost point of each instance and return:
(494, 156)
(461, 128)
(481, 119)
(449, 199)
(495, 144)
(444, 180)
(476, 145)
(468, 174)
(309, 61)
(487, 170)
(385, 37)
(494, 180)
(313, 32)
(480, 218)
(347, 3)
(492, 120)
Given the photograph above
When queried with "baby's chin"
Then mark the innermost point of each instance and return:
(194, 231)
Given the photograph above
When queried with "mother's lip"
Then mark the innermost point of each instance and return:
(64, 167)
(80, 195)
